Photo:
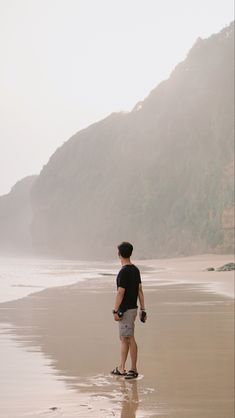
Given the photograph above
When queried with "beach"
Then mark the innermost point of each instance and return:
(58, 346)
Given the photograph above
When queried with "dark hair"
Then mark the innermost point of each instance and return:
(125, 249)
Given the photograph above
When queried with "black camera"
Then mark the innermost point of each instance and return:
(143, 316)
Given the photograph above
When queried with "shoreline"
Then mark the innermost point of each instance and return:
(156, 272)
(193, 270)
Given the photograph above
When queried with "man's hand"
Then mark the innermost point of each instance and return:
(116, 317)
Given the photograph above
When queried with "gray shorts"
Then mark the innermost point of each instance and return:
(127, 324)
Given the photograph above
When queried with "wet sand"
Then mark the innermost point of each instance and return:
(185, 350)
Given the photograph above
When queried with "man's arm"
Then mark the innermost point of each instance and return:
(119, 297)
(142, 314)
(141, 297)
(118, 301)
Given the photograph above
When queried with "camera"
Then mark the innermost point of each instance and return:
(143, 316)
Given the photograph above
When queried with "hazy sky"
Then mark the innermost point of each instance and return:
(68, 63)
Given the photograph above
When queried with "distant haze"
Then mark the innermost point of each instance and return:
(68, 63)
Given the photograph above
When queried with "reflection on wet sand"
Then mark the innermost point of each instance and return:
(185, 349)
(130, 400)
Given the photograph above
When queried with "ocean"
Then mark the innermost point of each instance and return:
(20, 277)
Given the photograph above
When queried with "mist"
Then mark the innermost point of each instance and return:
(65, 65)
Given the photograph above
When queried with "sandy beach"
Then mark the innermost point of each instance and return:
(58, 346)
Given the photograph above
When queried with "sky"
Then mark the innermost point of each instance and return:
(68, 63)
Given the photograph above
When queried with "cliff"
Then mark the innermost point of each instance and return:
(160, 176)
(16, 217)
(154, 176)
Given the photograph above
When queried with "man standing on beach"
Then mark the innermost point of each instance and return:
(129, 289)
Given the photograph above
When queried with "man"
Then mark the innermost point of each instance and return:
(129, 289)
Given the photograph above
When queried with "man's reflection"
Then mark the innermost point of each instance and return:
(130, 400)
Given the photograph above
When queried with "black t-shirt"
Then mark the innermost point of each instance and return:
(129, 278)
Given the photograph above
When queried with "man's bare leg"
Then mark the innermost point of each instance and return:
(125, 343)
(133, 353)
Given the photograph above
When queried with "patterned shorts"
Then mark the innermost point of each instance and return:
(127, 324)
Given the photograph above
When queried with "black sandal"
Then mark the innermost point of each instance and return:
(131, 375)
(116, 372)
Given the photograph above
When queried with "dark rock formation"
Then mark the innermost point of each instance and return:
(227, 267)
